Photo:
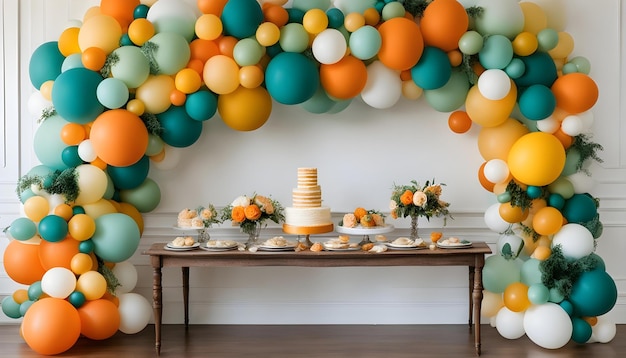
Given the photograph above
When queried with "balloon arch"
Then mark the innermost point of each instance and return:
(123, 88)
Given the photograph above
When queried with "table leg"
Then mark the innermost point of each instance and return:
(471, 300)
(157, 291)
(186, 294)
(477, 295)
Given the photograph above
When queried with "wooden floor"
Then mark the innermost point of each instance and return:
(307, 341)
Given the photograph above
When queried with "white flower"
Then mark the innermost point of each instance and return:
(419, 198)
(393, 205)
(241, 201)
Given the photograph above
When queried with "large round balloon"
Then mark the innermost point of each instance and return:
(443, 24)
(499, 273)
(548, 325)
(241, 18)
(45, 63)
(580, 208)
(132, 67)
(291, 78)
(145, 197)
(593, 294)
(171, 53)
(496, 142)
(135, 312)
(21, 262)
(344, 79)
(178, 129)
(116, 238)
(575, 92)
(51, 326)
(74, 95)
(100, 319)
(433, 69)
(402, 43)
(536, 159)
(131, 176)
(249, 117)
(119, 137)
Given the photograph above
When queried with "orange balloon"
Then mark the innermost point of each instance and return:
(21, 262)
(542, 253)
(133, 212)
(353, 21)
(81, 263)
(565, 139)
(99, 319)
(251, 76)
(226, 44)
(487, 112)
(119, 137)
(455, 57)
(575, 92)
(344, 79)
(483, 180)
(140, 31)
(93, 58)
(99, 163)
(211, 6)
(496, 142)
(402, 43)
(512, 214)
(120, 10)
(195, 65)
(443, 24)
(516, 297)
(58, 254)
(459, 122)
(81, 227)
(20, 295)
(275, 14)
(591, 320)
(249, 117)
(372, 16)
(187, 81)
(547, 221)
(203, 49)
(73, 134)
(51, 326)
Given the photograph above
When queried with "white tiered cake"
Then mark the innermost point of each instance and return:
(307, 215)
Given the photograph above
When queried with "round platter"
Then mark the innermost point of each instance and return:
(307, 230)
(359, 230)
(187, 228)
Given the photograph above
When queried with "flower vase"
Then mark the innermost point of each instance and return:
(414, 235)
(203, 235)
(253, 237)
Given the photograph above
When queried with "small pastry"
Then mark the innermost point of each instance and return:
(344, 239)
(188, 241)
(317, 247)
(367, 247)
(380, 238)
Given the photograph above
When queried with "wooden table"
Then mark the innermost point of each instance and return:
(472, 257)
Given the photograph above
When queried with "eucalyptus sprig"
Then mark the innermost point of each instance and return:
(152, 124)
(560, 273)
(518, 196)
(587, 150)
(148, 49)
(65, 183)
(415, 7)
(111, 60)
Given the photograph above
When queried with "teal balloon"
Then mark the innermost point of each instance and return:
(581, 330)
(365, 42)
(74, 95)
(451, 96)
(22, 229)
(538, 294)
(77, 299)
(131, 176)
(11, 308)
(515, 68)
(145, 197)
(240, 18)
(295, 15)
(24, 306)
(340, 106)
(537, 102)
(497, 52)
(291, 78)
(201, 105)
(539, 70)
(45, 63)
(78, 210)
(141, 11)
(178, 129)
(70, 156)
(433, 70)
(48, 144)
(34, 291)
(593, 294)
(567, 307)
(172, 52)
(116, 237)
(306, 5)
(579, 208)
(556, 201)
(86, 246)
(499, 272)
(599, 262)
(530, 273)
(335, 18)
(52, 228)
(533, 191)
(125, 40)
(319, 103)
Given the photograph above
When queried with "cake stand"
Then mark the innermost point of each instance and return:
(365, 231)
(202, 232)
(307, 231)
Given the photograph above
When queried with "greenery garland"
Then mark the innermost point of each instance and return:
(148, 49)
(587, 150)
(111, 60)
(152, 124)
(560, 273)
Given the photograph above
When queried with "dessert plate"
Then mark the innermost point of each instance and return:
(277, 248)
(220, 245)
(330, 248)
(359, 230)
(460, 245)
(170, 247)
(391, 245)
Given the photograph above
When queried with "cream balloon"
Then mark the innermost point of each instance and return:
(92, 183)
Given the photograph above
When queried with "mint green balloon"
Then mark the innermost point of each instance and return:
(499, 272)
(471, 43)
(358, 6)
(582, 64)
(132, 67)
(562, 187)
(538, 294)
(293, 38)
(155, 145)
(247, 52)
(116, 237)
(392, 9)
(365, 42)
(319, 103)
(547, 39)
(145, 197)
(172, 52)
(48, 144)
(450, 96)
(306, 5)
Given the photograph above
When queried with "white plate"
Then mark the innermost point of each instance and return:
(231, 245)
(181, 248)
(359, 230)
(460, 245)
(188, 228)
(276, 248)
(341, 249)
(404, 247)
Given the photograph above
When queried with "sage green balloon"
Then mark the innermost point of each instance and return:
(247, 52)
(145, 197)
(562, 186)
(293, 38)
(306, 5)
(450, 96)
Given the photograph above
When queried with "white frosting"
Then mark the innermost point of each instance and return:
(307, 216)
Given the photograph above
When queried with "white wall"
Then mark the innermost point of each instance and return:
(360, 153)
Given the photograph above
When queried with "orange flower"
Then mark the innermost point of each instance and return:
(407, 198)
(358, 213)
(237, 214)
(252, 212)
(435, 189)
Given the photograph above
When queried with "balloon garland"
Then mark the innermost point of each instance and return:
(122, 90)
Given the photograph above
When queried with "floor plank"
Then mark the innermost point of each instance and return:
(308, 341)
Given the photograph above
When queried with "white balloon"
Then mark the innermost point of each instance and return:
(493, 219)
(581, 182)
(510, 324)
(383, 87)
(496, 171)
(548, 325)
(126, 275)
(329, 46)
(37, 104)
(494, 84)
(135, 312)
(58, 282)
(604, 330)
(548, 125)
(513, 240)
(572, 125)
(86, 151)
(575, 240)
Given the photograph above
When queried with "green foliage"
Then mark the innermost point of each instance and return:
(148, 49)
(111, 60)
(152, 124)
(415, 7)
(46, 113)
(518, 196)
(65, 183)
(587, 150)
(560, 273)
(107, 273)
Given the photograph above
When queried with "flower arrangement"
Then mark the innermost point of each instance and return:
(208, 215)
(415, 201)
(250, 212)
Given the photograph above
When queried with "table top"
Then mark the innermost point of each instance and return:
(467, 256)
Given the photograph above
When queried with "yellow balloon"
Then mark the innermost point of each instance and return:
(492, 302)
(536, 158)
(92, 284)
(187, 81)
(249, 117)
(92, 183)
(81, 227)
(46, 89)
(140, 31)
(535, 19)
(315, 21)
(487, 112)
(564, 47)
(100, 31)
(221, 74)
(36, 208)
(410, 90)
(136, 106)
(155, 93)
(99, 208)
(525, 43)
(68, 41)
(495, 142)
(208, 27)
(251, 76)
(81, 263)
(267, 34)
